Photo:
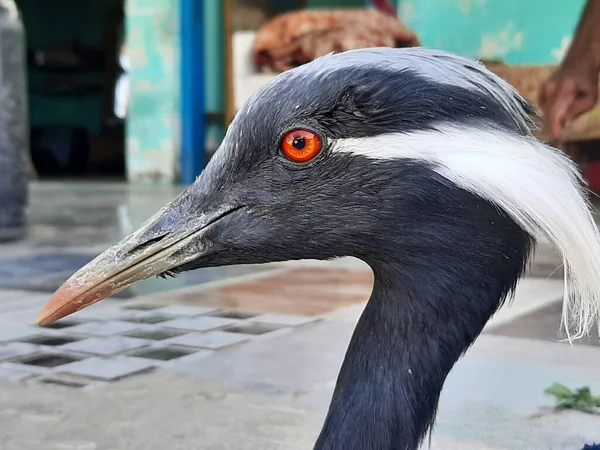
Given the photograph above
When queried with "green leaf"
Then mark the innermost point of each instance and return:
(580, 400)
(559, 391)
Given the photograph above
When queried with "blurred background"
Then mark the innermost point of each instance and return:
(143, 91)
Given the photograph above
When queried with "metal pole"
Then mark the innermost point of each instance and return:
(193, 117)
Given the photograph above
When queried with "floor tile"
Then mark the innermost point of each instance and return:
(183, 310)
(100, 311)
(140, 306)
(147, 317)
(106, 345)
(234, 314)
(155, 333)
(51, 340)
(16, 349)
(283, 319)
(298, 291)
(202, 323)
(70, 381)
(163, 353)
(197, 356)
(107, 328)
(20, 367)
(18, 332)
(107, 369)
(48, 360)
(211, 340)
(15, 373)
(255, 328)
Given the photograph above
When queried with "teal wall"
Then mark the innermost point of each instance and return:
(514, 31)
(214, 74)
(153, 131)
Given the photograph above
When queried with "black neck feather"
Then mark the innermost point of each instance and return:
(426, 309)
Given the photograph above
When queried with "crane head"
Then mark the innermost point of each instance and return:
(332, 158)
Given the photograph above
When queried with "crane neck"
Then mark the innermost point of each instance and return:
(422, 316)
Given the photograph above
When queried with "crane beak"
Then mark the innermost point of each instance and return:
(152, 250)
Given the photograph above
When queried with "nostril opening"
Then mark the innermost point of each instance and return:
(149, 243)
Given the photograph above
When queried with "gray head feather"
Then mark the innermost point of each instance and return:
(436, 65)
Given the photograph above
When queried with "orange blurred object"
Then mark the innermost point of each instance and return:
(528, 79)
(296, 38)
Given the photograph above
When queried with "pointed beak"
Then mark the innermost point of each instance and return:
(164, 243)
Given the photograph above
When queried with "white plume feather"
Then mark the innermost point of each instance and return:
(537, 185)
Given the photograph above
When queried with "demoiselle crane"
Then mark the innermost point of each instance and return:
(421, 163)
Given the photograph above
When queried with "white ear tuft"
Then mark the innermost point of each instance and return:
(537, 185)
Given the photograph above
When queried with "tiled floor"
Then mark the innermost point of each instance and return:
(134, 338)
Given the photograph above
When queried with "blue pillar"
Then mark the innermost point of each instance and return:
(193, 136)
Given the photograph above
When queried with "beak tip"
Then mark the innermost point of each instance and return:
(58, 306)
(46, 315)
(68, 300)
(42, 318)
(99, 279)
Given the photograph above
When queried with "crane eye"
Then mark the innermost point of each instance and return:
(301, 145)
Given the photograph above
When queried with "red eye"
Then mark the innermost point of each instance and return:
(301, 145)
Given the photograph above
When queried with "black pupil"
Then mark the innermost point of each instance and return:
(299, 143)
